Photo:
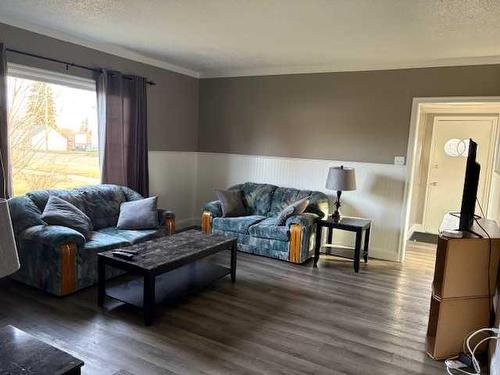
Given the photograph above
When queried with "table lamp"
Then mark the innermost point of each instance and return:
(340, 179)
(9, 261)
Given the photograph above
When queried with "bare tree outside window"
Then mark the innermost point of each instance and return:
(52, 136)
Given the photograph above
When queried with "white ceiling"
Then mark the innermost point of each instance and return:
(210, 38)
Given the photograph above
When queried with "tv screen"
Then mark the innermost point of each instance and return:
(469, 195)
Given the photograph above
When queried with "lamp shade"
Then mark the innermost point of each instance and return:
(9, 261)
(341, 179)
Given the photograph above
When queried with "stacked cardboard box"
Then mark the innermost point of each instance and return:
(464, 283)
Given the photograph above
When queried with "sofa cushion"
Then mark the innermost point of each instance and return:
(73, 196)
(231, 203)
(295, 208)
(130, 195)
(102, 204)
(133, 236)
(268, 229)
(101, 242)
(86, 258)
(24, 214)
(284, 197)
(236, 224)
(139, 214)
(257, 197)
(59, 212)
(319, 204)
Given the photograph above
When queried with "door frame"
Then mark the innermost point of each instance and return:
(488, 168)
(411, 152)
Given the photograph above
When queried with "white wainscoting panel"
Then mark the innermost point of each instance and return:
(183, 181)
(379, 194)
(172, 177)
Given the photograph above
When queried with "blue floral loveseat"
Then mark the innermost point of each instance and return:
(58, 259)
(258, 233)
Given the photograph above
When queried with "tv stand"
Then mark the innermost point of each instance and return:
(465, 278)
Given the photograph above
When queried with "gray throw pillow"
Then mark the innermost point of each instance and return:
(295, 208)
(59, 212)
(139, 214)
(231, 202)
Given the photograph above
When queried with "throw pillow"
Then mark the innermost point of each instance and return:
(295, 208)
(60, 212)
(231, 202)
(139, 214)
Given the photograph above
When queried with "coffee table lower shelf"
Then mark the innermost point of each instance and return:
(168, 286)
(165, 268)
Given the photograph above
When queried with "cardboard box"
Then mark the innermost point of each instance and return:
(464, 267)
(451, 320)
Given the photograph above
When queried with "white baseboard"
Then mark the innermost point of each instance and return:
(383, 254)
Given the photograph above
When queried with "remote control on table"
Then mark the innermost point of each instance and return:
(123, 255)
(134, 252)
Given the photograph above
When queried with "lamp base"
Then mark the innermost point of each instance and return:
(336, 216)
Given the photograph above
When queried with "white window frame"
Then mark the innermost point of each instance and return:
(36, 74)
(68, 80)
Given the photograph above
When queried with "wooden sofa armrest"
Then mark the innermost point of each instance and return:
(67, 255)
(295, 243)
(170, 225)
(206, 222)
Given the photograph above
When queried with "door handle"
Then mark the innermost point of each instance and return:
(433, 183)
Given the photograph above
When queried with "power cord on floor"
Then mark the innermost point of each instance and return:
(452, 370)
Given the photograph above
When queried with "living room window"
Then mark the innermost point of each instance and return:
(53, 131)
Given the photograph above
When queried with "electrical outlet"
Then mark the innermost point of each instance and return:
(399, 160)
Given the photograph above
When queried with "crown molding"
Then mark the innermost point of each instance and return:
(102, 47)
(336, 68)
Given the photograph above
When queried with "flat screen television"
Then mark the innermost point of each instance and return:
(469, 195)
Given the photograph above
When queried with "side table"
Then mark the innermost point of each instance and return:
(350, 224)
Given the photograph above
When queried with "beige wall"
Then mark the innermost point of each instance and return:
(356, 116)
(172, 103)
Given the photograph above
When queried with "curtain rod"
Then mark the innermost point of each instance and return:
(68, 64)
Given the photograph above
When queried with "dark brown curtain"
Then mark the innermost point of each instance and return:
(122, 107)
(5, 183)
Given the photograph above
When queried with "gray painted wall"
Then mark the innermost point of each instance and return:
(353, 116)
(172, 103)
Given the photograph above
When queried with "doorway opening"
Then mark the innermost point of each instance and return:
(437, 152)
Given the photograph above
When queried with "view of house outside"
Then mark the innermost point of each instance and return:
(52, 136)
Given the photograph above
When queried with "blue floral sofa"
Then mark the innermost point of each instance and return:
(258, 233)
(58, 259)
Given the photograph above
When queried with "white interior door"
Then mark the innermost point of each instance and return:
(447, 161)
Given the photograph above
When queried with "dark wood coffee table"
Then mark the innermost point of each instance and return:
(166, 267)
(21, 353)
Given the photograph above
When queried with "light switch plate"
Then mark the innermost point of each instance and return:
(399, 160)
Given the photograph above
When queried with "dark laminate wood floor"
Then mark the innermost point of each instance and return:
(278, 318)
